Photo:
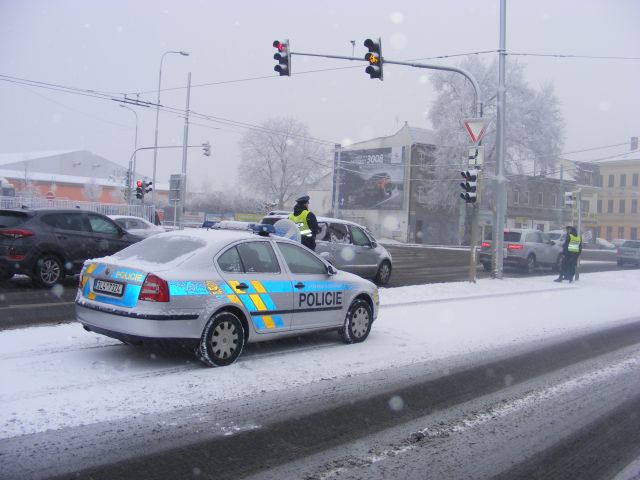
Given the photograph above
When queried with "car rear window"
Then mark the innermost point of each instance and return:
(631, 244)
(270, 220)
(161, 249)
(12, 219)
(511, 236)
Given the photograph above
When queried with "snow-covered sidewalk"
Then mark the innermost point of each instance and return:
(58, 376)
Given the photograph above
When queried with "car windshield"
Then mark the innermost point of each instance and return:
(12, 219)
(631, 244)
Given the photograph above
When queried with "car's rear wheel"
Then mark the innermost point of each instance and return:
(222, 340)
(530, 266)
(357, 323)
(384, 273)
(486, 267)
(48, 271)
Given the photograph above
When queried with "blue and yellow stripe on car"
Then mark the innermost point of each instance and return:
(257, 300)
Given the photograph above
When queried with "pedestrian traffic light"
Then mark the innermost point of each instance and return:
(206, 148)
(569, 198)
(139, 189)
(283, 55)
(147, 187)
(374, 57)
(470, 186)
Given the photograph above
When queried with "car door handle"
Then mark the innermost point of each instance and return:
(299, 285)
(242, 286)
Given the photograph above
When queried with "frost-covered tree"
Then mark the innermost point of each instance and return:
(280, 160)
(92, 190)
(534, 127)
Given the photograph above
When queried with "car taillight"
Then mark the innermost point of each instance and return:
(514, 246)
(154, 289)
(16, 233)
(485, 245)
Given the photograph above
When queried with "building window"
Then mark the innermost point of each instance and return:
(611, 180)
(516, 197)
(633, 235)
(526, 198)
(609, 233)
(600, 181)
(634, 180)
(422, 195)
(584, 206)
(622, 205)
(554, 200)
(620, 232)
(609, 206)
(599, 206)
(597, 231)
(634, 205)
(540, 199)
(422, 158)
(623, 179)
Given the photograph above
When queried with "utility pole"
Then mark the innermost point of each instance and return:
(336, 187)
(500, 197)
(183, 186)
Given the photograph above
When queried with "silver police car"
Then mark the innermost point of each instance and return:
(220, 289)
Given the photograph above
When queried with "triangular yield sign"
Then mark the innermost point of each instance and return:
(476, 127)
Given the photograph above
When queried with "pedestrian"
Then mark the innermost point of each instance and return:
(571, 250)
(306, 222)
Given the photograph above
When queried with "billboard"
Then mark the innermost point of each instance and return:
(371, 179)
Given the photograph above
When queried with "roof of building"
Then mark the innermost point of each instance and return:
(633, 155)
(9, 158)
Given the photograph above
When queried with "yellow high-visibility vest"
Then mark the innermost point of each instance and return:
(574, 243)
(301, 222)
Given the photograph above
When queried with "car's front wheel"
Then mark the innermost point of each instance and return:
(384, 273)
(48, 271)
(222, 340)
(357, 323)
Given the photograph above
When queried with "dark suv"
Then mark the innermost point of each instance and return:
(47, 244)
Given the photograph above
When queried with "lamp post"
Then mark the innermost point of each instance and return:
(132, 160)
(155, 143)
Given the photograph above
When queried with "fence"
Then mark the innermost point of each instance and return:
(144, 211)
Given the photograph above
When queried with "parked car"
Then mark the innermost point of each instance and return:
(137, 226)
(350, 247)
(604, 244)
(617, 242)
(557, 236)
(629, 252)
(47, 244)
(525, 249)
(217, 290)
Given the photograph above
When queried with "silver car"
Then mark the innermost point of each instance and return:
(136, 225)
(220, 289)
(350, 247)
(629, 252)
(525, 249)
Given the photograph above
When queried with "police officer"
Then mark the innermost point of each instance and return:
(571, 249)
(306, 222)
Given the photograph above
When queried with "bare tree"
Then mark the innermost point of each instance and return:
(281, 160)
(534, 128)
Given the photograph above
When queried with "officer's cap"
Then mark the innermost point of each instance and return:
(303, 199)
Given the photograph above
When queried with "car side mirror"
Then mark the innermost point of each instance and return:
(374, 244)
(331, 270)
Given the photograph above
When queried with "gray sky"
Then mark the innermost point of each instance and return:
(116, 45)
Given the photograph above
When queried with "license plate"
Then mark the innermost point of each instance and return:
(109, 288)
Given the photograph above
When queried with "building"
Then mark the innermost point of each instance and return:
(76, 175)
(617, 204)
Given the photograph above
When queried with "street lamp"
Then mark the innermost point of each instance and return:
(132, 160)
(155, 147)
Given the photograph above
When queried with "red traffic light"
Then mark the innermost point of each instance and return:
(139, 183)
(279, 45)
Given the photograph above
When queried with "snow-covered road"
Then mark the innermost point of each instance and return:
(61, 376)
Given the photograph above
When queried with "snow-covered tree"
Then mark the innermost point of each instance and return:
(280, 161)
(533, 136)
(92, 190)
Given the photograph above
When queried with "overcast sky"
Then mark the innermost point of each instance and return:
(115, 46)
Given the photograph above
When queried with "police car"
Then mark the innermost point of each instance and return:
(219, 289)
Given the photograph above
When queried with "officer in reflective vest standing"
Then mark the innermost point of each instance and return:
(571, 249)
(306, 222)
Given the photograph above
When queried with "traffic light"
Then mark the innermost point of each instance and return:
(470, 185)
(374, 57)
(139, 190)
(206, 148)
(147, 187)
(569, 198)
(283, 55)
